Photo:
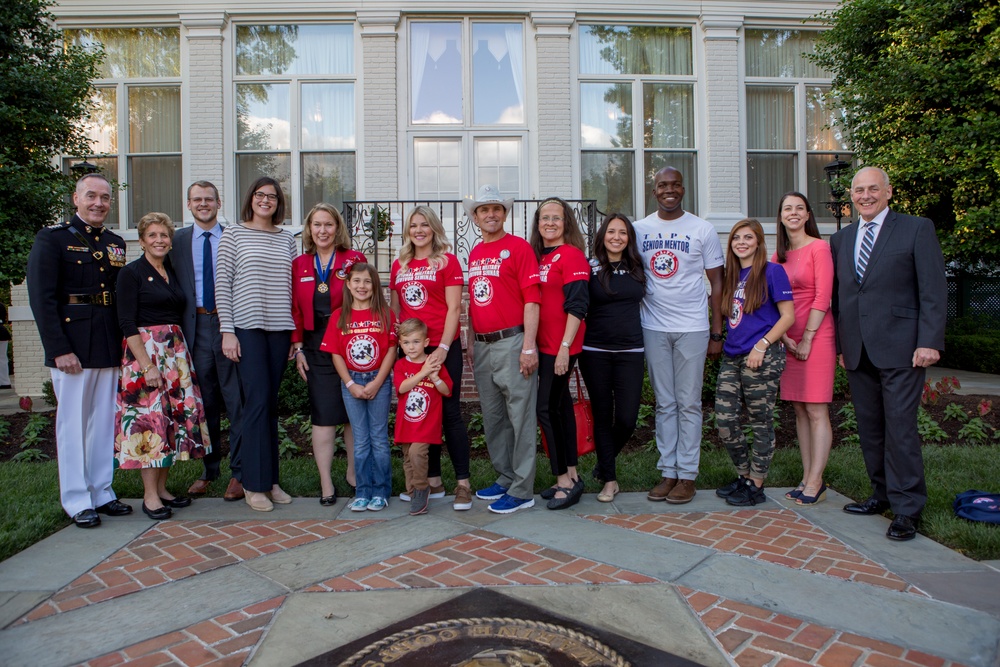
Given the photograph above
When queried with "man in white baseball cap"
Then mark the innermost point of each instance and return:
(503, 312)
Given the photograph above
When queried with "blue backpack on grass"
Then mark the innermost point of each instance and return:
(978, 506)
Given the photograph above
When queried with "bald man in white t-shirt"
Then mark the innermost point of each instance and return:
(678, 249)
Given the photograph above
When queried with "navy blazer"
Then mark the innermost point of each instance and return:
(901, 303)
(183, 264)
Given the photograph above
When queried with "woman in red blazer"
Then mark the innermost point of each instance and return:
(317, 291)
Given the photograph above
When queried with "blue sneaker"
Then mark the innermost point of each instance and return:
(509, 504)
(495, 492)
(358, 505)
(377, 504)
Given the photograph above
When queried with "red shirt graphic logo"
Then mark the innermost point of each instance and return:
(663, 264)
(417, 405)
(482, 291)
(415, 295)
(363, 350)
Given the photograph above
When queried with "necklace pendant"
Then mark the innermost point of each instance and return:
(323, 288)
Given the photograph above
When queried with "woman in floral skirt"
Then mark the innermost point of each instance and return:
(160, 416)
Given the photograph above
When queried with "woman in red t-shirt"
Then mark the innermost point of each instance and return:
(318, 276)
(426, 283)
(565, 276)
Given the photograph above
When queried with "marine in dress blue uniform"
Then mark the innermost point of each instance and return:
(72, 271)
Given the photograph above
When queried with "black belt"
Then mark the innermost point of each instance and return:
(202, 311)
(99, 299)
(495, 336)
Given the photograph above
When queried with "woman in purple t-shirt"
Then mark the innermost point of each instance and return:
(759, 299)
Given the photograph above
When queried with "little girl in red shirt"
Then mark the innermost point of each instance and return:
(363, 344)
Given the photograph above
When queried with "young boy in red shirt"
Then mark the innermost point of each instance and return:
(420, 383)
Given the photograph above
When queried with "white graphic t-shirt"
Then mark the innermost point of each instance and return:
(676, 254)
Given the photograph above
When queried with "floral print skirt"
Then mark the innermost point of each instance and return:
(156, 426)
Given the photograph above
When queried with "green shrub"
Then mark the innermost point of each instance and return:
(49, 394)
(972, 352)
(293, 395)
(841, 387)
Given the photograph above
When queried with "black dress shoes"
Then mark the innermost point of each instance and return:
(87, 519)
(868, 507)
(158, 514)
(902, 528)
(115, 508)
(176, 501)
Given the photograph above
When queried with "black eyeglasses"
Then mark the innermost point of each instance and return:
(261, 196)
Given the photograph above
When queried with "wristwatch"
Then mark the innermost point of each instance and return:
(717, 337)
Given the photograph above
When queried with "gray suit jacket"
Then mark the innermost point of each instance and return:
(901, 302)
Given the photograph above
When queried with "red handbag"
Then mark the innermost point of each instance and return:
(584, 422)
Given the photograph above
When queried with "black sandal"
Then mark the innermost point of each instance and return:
(326, 501)
(572, 498)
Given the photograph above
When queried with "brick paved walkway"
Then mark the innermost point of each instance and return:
(448, 550)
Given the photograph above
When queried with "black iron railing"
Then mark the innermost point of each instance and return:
(376, 225)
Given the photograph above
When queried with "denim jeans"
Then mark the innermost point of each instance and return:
(370, 422)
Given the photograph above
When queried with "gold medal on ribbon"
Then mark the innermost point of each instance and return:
(323, 288)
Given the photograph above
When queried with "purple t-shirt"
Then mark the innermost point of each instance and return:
(744, 330)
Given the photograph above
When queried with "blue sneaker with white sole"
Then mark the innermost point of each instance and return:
(508, 504)
(377, 504)
(358, 505)
(494, 492)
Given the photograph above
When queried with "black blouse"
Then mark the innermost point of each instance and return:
(145, 299)
(613, 319)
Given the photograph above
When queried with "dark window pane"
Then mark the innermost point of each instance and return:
(251, 166)
(608, 178)
(154, 184)
(327, 177)
(769, 175)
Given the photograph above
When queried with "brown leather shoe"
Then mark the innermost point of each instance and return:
(199, 488)
(662, 490)
(234, 491)
(682, 493)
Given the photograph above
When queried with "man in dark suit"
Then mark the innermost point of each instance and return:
(889, 300)
(193, 257)
(72, 275)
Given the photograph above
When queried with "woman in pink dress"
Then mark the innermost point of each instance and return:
(807, 382)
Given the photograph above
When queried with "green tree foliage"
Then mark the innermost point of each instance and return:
(920, 84)
(44, 94)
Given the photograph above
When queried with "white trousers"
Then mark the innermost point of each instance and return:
(85, 436)
(4, 368)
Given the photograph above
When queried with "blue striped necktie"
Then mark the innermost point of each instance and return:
(866, 251)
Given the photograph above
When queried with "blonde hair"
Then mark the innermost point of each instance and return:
(412, 325)
(154, 218)
(439, 240)
(341, 239)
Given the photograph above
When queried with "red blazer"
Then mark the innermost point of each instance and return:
(304, 287)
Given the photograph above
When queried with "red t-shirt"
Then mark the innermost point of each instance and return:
(565, 264)
(421, 292)
(365, 344)
(419, 411)
(503, 276)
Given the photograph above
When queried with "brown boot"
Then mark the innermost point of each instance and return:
(662, 490)
(682, 493)
(234, 491)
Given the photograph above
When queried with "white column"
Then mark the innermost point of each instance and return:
(205, 131)
(723, 185)
(379, 156)
(553, 91)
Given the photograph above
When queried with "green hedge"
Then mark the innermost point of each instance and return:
(972, 352)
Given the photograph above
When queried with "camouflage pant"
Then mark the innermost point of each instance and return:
(758, 389)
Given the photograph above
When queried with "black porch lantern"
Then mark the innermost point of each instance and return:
(834, 171)
(81, 169)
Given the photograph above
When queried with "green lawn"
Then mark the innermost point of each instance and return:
(31, 510)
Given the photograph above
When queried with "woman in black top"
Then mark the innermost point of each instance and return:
(160, 416)
(612, 361)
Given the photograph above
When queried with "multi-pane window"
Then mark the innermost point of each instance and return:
(636, 114)
(467, 112)
(135, 120)
(790, 121)
(295, 112)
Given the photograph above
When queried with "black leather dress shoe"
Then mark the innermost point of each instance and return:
(902, 528)
(867, 507)
(176, 501)
(115, 508)
(87, 519)
(158, 514)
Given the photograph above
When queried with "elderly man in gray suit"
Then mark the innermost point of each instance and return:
(889, 300)
(193, 257)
